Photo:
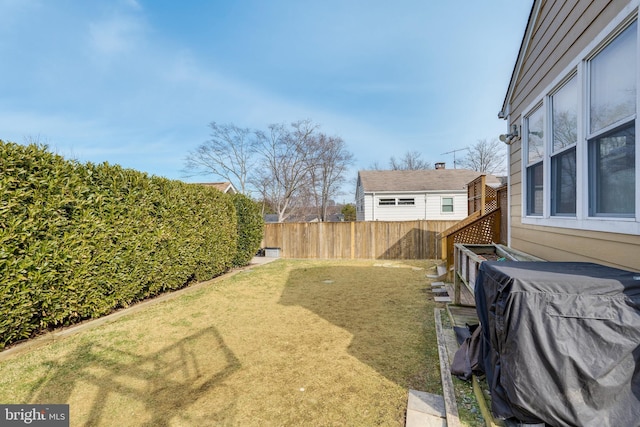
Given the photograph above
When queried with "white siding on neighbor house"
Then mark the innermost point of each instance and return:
(367, 208)
(398, 212)
(426, 206)
(434, 206)
(360, 202)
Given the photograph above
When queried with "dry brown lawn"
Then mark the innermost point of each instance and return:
(291, 343)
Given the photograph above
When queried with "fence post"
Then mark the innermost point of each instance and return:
(353, 240)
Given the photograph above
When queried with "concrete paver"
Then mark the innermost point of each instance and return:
(425, 410)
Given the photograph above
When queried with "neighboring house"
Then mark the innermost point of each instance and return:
(307, 215)
(333, 214)
(571, 109)
(270, 218)
(397, 195)
(225, 187)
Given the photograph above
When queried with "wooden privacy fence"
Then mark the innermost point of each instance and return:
(357, 240)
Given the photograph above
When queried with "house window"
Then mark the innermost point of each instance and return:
(563, 183)
(612, 173)
(612, 74)
(407, 202)
(612, 103)
(447, 204)
(386, 202)
(564, 135)
(578, 141)
(534, 125)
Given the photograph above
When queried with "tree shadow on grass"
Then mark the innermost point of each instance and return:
(378, 306)
(163, 384)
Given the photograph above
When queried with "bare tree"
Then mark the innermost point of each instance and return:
(261, 182)
(286, 161)
(375, 166)
(288, 166)
(410, 161)
(331, 161)
(485, 156)
(229, 154)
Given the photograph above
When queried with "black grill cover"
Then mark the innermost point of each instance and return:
(561, 342)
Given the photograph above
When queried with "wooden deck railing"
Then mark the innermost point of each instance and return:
(485, 224)
(481, 230)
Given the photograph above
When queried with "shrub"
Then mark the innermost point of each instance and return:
(349, 212)
(80, 240)
(250, 229)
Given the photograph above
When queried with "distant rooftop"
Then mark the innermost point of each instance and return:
(421, 180)
(225, 187)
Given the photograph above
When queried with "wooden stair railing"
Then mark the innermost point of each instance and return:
(475, 229)
(484, 223)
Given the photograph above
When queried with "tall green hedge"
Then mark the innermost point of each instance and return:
(250, 229)
(80, 240)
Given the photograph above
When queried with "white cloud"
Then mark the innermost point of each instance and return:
(133, 4)
(113, 36)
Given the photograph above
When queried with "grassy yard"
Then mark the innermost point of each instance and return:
(289, 343)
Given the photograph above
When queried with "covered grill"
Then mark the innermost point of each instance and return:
(561, 342)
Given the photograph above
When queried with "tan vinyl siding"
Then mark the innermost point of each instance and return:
(515, 190)
(551, 51)
(558, 244)
(562, 31)
(554, 47)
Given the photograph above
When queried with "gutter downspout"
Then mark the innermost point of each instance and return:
(373, 206)
(425, 206)
(509, 196)
(508, 119)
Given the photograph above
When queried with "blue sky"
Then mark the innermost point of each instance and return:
(136, 82)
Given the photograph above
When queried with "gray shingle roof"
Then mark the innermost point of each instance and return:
(421, 180)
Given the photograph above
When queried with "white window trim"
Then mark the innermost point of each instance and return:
(579, 66)
(453, 205)
(397, 200)
(387, 205)
(543, 106)
(405, 201)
